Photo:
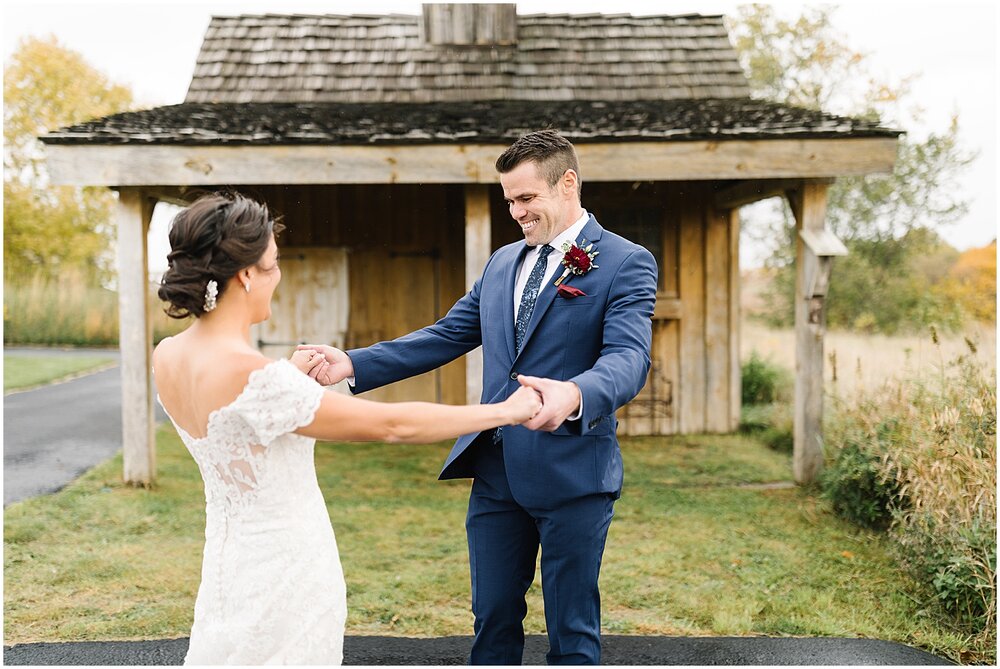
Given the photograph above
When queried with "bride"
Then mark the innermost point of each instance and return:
(272, 589)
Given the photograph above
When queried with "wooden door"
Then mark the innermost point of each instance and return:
(392, 294)
(310, 305)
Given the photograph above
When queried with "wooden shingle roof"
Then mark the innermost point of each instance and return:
(235, 124)
(373, 59)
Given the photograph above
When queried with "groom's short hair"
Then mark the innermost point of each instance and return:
(552, 152)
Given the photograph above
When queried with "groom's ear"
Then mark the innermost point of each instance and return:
(569, 182)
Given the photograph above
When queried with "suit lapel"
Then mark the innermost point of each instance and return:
(592, 232)
(509, 277)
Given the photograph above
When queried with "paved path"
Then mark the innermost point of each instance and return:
(53, 434)
(618, 650)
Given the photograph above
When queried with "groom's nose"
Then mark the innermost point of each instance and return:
(517, 211)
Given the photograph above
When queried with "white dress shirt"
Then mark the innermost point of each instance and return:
(555, 258)
(554, 262)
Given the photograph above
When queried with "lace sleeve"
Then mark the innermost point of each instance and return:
(278, 399)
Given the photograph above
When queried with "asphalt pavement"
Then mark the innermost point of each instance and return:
(55, 433)
(454, 650)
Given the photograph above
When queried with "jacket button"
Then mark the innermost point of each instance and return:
(513, 376)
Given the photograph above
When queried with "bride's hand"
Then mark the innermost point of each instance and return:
(524, 404)
(335, 367)
(307, 360)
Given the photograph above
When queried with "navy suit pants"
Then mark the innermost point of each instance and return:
(504, 539)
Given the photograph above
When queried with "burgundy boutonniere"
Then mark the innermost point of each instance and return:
(577, 260)
(569, 292)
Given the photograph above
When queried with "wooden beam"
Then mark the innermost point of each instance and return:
(668, 308)
(157, 165)
(809, 206)
(477, 253)
(181, 196)
(133, 215)
(747, 192)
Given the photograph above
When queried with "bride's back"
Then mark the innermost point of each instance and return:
(196, 375)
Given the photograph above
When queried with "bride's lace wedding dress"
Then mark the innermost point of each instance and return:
(272, 589)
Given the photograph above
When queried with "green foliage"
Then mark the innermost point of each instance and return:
(793, 61)
(857, 489)
(765, 411)
(764, 382)
(888, 286)
(892, 279)
(52, 228)
(959, 565)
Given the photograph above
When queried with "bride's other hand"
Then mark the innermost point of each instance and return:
(525, 403)
(335, 366)
(307, 361)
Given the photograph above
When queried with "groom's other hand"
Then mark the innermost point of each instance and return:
(560, 400)
(336, 367)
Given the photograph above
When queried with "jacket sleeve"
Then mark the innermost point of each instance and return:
(457, 333)
(623, 365)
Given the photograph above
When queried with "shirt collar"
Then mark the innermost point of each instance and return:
(570, 234)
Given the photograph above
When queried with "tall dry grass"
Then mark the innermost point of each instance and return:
(70, 310)
(856, 362)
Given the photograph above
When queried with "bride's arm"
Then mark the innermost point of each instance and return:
(343, 418)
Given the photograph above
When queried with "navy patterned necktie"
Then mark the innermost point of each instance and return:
(531, 290)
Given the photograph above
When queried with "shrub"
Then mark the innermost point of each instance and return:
(958, 564)
(858, 489)
(764, 382)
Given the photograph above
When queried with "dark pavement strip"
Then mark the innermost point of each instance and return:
(53, 434)
(618, 650)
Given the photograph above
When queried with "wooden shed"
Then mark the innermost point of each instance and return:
(375, 137)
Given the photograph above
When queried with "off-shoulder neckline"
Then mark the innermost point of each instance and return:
(216, 412)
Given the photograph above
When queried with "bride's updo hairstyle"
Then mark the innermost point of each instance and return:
(212, 239)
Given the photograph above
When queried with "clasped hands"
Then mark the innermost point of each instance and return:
(560, 399)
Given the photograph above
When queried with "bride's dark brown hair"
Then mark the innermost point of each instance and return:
(213, 238)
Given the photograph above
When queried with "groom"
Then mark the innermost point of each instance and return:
(583, 342)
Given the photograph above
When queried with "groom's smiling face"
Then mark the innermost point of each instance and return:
(542, 211)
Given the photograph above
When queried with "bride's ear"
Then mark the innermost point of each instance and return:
(244, 279)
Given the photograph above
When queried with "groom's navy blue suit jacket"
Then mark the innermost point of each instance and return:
(600, 341)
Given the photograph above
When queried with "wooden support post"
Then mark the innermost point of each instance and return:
(809, 206)
(477, 252)
(718, 329)
(691, 397)
(735, 369)
(135, 337)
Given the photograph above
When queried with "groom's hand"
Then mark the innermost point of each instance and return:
(560, 399)
(336, 367)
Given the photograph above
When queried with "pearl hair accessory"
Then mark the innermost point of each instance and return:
(211, 292)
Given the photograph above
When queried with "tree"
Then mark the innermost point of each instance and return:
(885, 220)
(49, 228)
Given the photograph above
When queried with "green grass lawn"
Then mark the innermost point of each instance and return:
(695, 549)
(23, 371)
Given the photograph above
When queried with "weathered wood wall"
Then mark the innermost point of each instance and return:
(405, 254)
(694, 379)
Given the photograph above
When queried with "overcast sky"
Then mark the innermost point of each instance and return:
(152, 46)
